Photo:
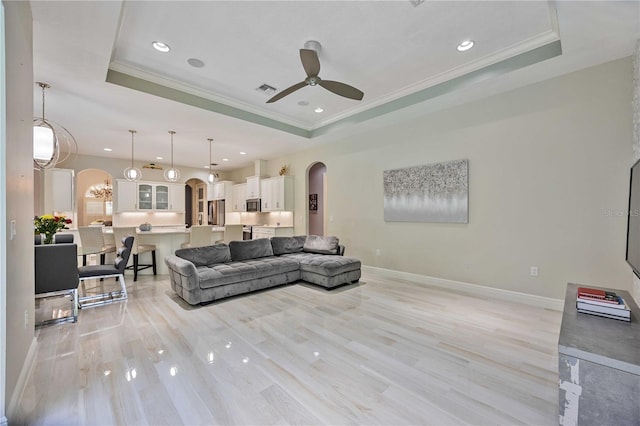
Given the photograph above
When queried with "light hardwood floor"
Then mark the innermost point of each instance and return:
(385, 351)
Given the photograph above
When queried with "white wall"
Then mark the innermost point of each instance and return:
(548, 167)
(19, 193)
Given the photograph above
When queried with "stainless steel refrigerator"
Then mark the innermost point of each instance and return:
(216, 212)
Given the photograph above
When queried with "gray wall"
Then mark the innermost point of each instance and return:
(19, 194)
(548, 173)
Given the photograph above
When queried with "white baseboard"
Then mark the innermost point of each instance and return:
(29, 362)
(4, 421)
(512, 296)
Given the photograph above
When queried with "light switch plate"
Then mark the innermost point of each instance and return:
(12, 231)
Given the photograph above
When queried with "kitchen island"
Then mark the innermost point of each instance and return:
(167, 240)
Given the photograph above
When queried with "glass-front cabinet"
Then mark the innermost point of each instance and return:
(145, 196)
(162, 197)
(153, 197)
(150, 196)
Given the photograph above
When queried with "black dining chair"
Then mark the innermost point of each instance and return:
(63, 238)
(56, 274)
(107, 271)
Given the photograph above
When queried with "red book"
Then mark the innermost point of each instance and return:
(597, 294)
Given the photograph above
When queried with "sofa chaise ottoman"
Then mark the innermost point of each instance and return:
(204, 274)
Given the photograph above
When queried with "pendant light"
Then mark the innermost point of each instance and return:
(132, 173)
(50, 139)
(172, 174)
(212, 178)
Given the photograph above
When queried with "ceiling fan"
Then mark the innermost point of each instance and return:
(311, 65)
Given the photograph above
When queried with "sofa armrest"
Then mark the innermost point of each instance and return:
(340, 250)
(184, 278)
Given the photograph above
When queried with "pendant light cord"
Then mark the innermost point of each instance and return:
(210, 143)
(171, 132)
(132, 132)
(43, 86)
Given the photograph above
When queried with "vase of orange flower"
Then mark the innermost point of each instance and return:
(47, 225)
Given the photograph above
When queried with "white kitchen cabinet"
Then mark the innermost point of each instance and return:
(176, 198)
(271, 231)
(253, 187)
(219, 190)
(277, 194)
(239, 198)
(127, 196)
(149, 196)
(59, 190)
(153, 196)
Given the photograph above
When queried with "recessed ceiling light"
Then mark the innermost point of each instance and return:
(160, 46)
(465, 45)
(225, 159)
(243, 153)
(108, 149)
(319, 110)
(159, 158)
(195, 62)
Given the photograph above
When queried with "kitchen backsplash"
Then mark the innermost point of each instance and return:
(272, 218)
(158, 219)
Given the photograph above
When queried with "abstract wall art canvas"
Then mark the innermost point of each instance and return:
(429, 193)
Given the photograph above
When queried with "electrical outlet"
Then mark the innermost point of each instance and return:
(534, 271)
(12, 230)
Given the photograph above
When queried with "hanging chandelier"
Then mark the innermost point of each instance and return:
(102, 191)
(132, 173)
(172, 174)
(52, 143)
(213, 177)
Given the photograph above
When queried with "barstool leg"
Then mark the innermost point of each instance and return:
(135, 267)
(153, 258)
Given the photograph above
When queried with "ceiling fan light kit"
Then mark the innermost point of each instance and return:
(311, 65)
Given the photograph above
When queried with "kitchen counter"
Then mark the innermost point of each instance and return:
(268, 231)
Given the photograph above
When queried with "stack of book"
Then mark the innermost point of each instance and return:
(602, 303)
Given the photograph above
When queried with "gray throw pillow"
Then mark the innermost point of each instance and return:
(322, 245)
(286, 245)
(250, 249)
(204, 256)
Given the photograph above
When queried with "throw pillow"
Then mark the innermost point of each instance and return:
(286, 245)
(322, 245)
(250, 249)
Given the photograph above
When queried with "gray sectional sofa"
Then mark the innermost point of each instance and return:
(205, 274)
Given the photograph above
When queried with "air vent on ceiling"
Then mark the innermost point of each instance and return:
(266, 89)
(416, 3)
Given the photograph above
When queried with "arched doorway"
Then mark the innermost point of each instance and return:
(317, 190)
(195, 202)
(94, 197)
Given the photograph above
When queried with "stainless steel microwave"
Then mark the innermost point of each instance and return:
(254, 205)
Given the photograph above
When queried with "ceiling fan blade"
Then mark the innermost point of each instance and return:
(342, 89)
(310, 62)
(287, 91)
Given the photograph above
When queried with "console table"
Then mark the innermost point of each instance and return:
(599, 366)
